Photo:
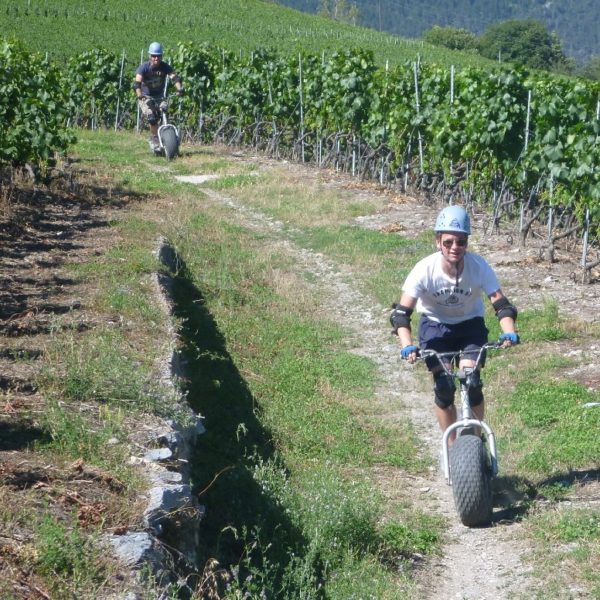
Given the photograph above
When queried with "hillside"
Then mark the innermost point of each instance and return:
(63, 29)
(575, 21)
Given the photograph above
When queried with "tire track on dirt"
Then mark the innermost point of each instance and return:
(476, 564)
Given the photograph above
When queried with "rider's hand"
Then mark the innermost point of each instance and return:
(409, 353)
(163, 105)
(509, 339)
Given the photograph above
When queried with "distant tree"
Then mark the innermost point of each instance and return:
(524, 41)
(339, 10)
(591, 70)
(451, 37)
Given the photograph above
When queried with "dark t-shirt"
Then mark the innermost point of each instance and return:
(153, 79)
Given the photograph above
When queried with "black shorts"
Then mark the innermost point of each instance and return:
(468, 336)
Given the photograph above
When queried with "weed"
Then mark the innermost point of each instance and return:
(408, 539)
(233, 181)
(562, 432)
(545, 324)
(69, 560)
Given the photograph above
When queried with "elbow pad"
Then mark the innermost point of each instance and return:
(175, 79)
(400, 316)
(505, 308)
(137, 85)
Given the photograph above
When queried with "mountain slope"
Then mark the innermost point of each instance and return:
(575, 21)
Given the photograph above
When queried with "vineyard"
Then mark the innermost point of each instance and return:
(64, 29)
(521, 146)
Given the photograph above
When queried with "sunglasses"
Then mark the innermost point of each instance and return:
(461, 243)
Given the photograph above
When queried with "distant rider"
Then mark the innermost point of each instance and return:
(150, 84)
(447, 288)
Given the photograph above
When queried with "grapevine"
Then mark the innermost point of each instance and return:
(522, 145)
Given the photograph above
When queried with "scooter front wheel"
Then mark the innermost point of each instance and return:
(471, 478)
(170, 143)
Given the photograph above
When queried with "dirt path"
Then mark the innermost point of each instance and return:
(476, 564)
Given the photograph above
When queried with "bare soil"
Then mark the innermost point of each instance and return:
(41, 229)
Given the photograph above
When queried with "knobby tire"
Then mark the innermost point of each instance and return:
(170, 143)
(471, 481)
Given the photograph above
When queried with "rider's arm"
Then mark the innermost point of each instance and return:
(505, 311)
(177, 81)
(405, 307)
(137, 85)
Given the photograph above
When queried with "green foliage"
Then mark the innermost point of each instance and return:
(94, 84)
(562, 432)
(32, 108)
(347, 99)
(527, 42)
(343, 100)
(573, 20)
(64, 30)
(61, 552)
(97, 369)
(70, 434)
(545, 324)
(339, 10)
(572, 526)
(591, 69)
(407, 539)
(451, 37)
(569, 536)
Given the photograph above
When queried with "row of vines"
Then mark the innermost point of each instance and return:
(518, 144)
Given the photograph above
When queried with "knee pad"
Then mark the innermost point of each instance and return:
(444, 389)
(153, 119)
(475, 388)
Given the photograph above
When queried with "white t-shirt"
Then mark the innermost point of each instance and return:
(448, 300)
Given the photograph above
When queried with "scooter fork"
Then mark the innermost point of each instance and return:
(467, 421)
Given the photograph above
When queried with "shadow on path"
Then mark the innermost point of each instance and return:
(242, 517)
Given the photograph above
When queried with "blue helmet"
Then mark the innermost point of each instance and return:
(155, 48)
(453, 219)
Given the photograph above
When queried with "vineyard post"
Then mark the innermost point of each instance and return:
(387, 74)
(550, 248)
(407, 163)
(586, 234)
(137, 120)
(301, 106)
(320, 149)
(353, 155)
(418, 112)
(525, 146)
(527, 122)
(119, 90)
(201, 118)
(451, 104)
(271, 104)
(587, 215)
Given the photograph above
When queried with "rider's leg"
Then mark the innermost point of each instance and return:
(150, 112)
(445, 418)
(444, 389)
(475, 393)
